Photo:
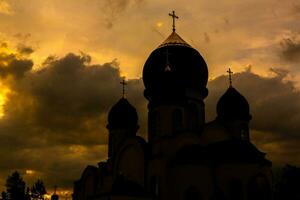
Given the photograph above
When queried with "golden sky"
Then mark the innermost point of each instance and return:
(227, 33)
(258, 39)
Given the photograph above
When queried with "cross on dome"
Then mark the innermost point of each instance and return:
(123, 83)
(174, 16)
(230, 77)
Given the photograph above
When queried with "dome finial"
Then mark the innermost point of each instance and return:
(123, 83)
(173, 15)
(230, 77)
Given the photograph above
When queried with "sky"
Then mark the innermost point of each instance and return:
(61, 63)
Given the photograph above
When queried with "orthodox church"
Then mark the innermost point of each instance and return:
(184, 157)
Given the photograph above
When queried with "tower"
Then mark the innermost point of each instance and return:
(122, 123)
(175, 77)
(233, 112)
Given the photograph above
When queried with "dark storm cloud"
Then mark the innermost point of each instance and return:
(57, 115)
(10, 65)
(66, 98)
(290, 49)
(25, 50)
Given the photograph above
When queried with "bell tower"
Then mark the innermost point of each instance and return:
(175, 77)
(122, 123)
(234, 112)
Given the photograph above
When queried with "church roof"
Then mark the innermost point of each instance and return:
(233, 105)
(229, 151)
(174, 39)
(122, 115)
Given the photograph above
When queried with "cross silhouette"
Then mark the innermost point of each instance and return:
(230, 77)
(173, 15)
(123, 83)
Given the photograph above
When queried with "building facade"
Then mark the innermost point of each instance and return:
(184, 157)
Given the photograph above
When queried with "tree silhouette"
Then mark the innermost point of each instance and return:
(4, 196)
(15, 187)
(287, 183)
(27, 194)
(38, 190)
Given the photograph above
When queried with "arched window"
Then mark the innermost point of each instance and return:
(236, 189)
(193, 116)
(177, 120)
(259, 188)
(192, 194)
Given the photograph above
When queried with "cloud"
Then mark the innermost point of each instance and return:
(25, 50)
(5, 8)
(290, 49)
(10, 65)
(57, 115)
(113, 9)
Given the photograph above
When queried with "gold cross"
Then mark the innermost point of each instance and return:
(173, 15)
(230, 77)
(123, 83)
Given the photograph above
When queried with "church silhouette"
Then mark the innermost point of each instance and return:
(185, 157)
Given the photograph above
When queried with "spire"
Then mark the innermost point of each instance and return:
(174, 39)
(123, 83)
(230, 77)
(173, 15)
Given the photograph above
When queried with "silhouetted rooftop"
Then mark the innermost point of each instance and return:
(174, 39)
(122, 115)
(229, 151)
(233, 105)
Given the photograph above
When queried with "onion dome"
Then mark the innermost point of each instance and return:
(174, 69)
(233, 106)
(122, 115)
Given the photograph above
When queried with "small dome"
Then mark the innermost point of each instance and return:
(233, 105)
(122, 115)
(173, 68)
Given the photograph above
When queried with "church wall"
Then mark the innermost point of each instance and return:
(169, 120)
(213, 132)
(239, 176)
(169, 146)
(130, 164)
(184, 178)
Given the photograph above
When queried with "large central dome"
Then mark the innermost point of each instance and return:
(174, 69)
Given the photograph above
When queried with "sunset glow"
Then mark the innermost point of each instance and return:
(54, 103)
